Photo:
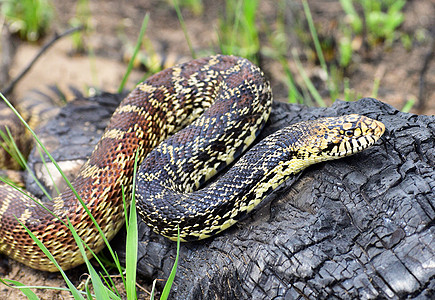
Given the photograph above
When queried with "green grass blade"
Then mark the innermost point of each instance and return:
(76, 294)
(112, 295)
(135, 52)
(88, 293)
(132, 241)
(307, 81)
(314, 36)
(10, 144)
(125, 205)
(183, 27)
(319, 51)
(102, 265)
(20, 286)
(23, 288)
(171, 277)
(408, 105)
(153, 289)
(238, 16)
(375, 89)
(118, 267)
(87, 288)
(99, 288)
(110, 283)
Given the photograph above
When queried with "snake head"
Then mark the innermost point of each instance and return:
(346, 135)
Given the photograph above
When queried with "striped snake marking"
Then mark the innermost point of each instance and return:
(207, 112)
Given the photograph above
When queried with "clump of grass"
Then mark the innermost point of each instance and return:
(383, 18)
(83, 19)
(379, 22)
(308, 93)
(345, 48)
(29, 18)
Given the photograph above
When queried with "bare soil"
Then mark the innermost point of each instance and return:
(116, 24)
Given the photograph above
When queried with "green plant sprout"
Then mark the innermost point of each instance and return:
(380, 21)
(29, 18)
(383, 18)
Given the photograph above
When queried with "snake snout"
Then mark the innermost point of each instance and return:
(379, 129)
(371, 129)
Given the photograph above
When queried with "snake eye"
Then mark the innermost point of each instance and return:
(348, 133)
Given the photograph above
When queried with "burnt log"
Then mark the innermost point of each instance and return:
(359, 227)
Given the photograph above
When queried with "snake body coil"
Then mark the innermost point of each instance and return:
(226, 101)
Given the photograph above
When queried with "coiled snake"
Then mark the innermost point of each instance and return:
(224, 101)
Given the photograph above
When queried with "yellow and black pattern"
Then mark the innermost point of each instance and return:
(169, 179)
(163, 104)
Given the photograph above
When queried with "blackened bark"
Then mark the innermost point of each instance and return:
(358, 227)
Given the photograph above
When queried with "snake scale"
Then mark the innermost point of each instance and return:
(222, 102)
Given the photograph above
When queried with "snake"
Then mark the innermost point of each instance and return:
(184, 125)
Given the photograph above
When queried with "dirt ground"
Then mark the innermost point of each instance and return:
(116, 24)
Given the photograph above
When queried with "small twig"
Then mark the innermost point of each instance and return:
(426, 63)
(44, 48)
(143, 288)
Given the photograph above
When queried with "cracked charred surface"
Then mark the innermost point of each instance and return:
(358, 227)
